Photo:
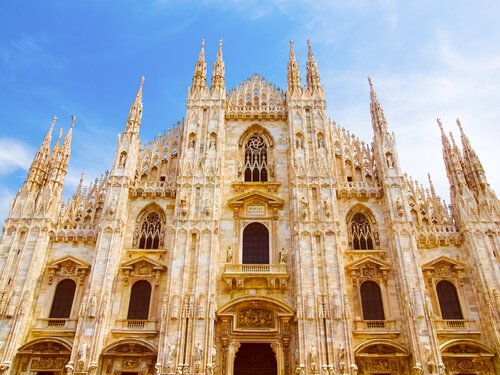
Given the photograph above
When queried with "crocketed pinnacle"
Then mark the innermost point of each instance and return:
(200, 70)
(312, 76)
(379, 122)
(294, 82)
(472, 165)
(218, 72)
(135, 114)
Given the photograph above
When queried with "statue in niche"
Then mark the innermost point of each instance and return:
(82, 354)
(213, 354)
(113, 204)
(206, 206)
(198, 353)
(341, 357)
(304, 204)
(174, 309)
(400, 207)
(229, 254)
(390, 160)
(12, 305)
(123, 160)
(93, 306)
(313, 354)
(183, 205)
(283, 253)
(299, 142)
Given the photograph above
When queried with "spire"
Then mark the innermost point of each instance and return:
(59, 157)
(472, 165)
(294, 83)
(200, 70)
(313, 80)
(40, 164)
(452, 161)
(69, 137)
(379, 122)
(135, 114)
(218, 72)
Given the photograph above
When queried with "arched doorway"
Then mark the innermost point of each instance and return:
(255, 359)
(42, 357)
(255, 244)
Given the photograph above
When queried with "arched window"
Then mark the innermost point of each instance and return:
(140, 295)
(150, 231)
(63, 299)
(448, 300)
(256, 160)
(255, 244)
(371, 300)
(361, 233)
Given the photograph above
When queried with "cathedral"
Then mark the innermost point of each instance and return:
(255, 236)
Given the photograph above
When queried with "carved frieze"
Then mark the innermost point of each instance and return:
(255, 318)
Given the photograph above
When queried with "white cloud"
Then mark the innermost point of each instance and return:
(14, 154)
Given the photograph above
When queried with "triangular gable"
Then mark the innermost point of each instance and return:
(368, 261)
(154, 264)
(58, 263)
(433, 264)
(255, 195)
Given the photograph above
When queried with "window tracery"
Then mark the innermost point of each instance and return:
(256, 160)
(361, 232)
(150, 234)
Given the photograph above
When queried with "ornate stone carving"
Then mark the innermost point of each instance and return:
(255, 318)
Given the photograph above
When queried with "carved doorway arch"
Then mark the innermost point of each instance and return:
(258, 321)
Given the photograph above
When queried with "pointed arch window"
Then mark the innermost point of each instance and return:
(371, 301)
(63, 299)
(448, 300)
(255, 244)
(140, 297)
(256, 160)
(361, 232)
(150, 231)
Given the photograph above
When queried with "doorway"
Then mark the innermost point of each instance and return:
(255, 359)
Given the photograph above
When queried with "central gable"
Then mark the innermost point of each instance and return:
(256, 98)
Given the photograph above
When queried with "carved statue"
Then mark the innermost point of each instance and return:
(313, 354)
(390, 160)
(174, 309)
(341, 357)
(213, 354)
(123, 159)
(283, 253)
(93, 306)
(82, 353)
(171, 353)
(198, 352)
(200, 308)
(399, 206)
(13, 301)
(112, 205)
(309, 307)
(229, 254)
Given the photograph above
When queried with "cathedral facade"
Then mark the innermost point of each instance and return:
(255, 236)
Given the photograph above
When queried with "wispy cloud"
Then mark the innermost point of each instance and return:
(14, 154)
(30, 51)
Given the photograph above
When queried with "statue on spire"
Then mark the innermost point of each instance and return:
(294, 82)
(312, 77)
(218, 72)
(200, 70)
(135, 114)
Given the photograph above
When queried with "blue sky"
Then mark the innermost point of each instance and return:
(428, 59)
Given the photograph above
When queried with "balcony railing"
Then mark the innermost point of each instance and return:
(244, 275)
(55, 323)
(136, 324)
(458, 325)
(376, 326)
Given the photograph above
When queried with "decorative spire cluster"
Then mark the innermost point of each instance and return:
(294, 82)
(200, 70)
(218, 72)
(466, 175)
(312, 77)
(50, 165)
